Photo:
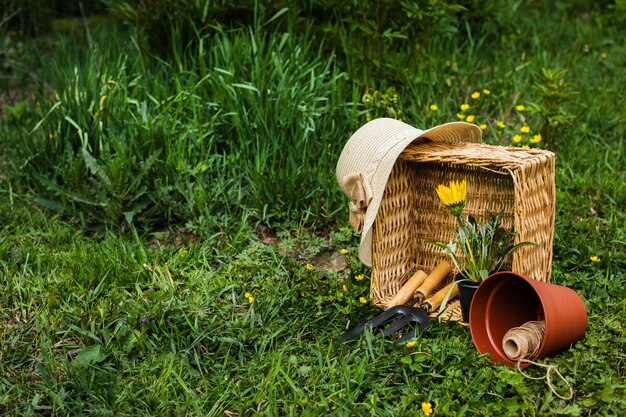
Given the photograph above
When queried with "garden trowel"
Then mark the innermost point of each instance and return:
(416, 289)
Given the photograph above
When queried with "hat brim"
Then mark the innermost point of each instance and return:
(452, 132)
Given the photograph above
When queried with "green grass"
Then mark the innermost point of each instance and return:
(129, 240)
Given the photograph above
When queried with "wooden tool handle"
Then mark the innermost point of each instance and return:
(436, 300)
(435, 277)
(407, 290)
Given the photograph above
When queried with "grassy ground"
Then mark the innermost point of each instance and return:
(133, 288)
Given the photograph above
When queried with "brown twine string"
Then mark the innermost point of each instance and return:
(523, 342)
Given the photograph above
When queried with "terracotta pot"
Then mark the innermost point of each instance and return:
(506, 300)
(466, 293)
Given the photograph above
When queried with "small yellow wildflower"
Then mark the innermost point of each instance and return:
(525, 129)
(604, 55)
(536, 139)
(411, 344)
(360, 277)
(250, 299)
(427, 408)
(470, 118)
(460, 116)
(247, 295)
(520, 107)
(465, 106)
(52, 135)
(594, 259)
(486, 92)
(475, 95)
(453, 197)
(434, 107)
(344, 288)
(500, 124)
(309, 267)
(343, 251)
(525, 146)
(362, 300)
(301, 293)
(483, 126)
(517, 138)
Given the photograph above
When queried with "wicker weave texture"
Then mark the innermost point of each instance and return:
(515, 181)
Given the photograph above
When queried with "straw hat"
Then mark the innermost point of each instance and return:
(368, 157)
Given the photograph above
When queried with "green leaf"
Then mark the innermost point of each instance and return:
(90, 356)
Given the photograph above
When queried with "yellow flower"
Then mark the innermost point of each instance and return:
(343, 251)
(52, 135)
(525, 146)
(309, 267)
(344, 288)
(604, 55)
(470, 118)
(427, 408)
(520, 107)
(363, 300)
(434, 107)
(453, 197)
(536, 139)
(517, 138)
(247, 295)
(360, 277)
(465, 106)
(475, 95)
(525, 129)
(500, 124)
(483, 126)
(250, 299)
(594, 259)
(486, 92)
(460, 116)
(411, 344)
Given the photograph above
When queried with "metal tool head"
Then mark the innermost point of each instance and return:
(390, 321)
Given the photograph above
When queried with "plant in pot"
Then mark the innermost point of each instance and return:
(478, 249)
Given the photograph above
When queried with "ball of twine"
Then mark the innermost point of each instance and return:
(523, 342)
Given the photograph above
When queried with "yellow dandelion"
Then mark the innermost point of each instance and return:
(536, 139)
(525, 146)
(475, 95)
(460, 116)
(427, 408)
(470, 118)
(594, 259)
(434, 107)
(362, 300)
(247, 295)
(343, 251)
(411, 344)
(453, 197)
(483, 126)
(360, 277)
(520, 107)
(525, 129)
(465, 106)
(500, 124)
(486, 92)
(517, 138)
(309, 267)
(250, 299)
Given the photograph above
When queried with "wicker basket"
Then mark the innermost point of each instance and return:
(515, 181)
